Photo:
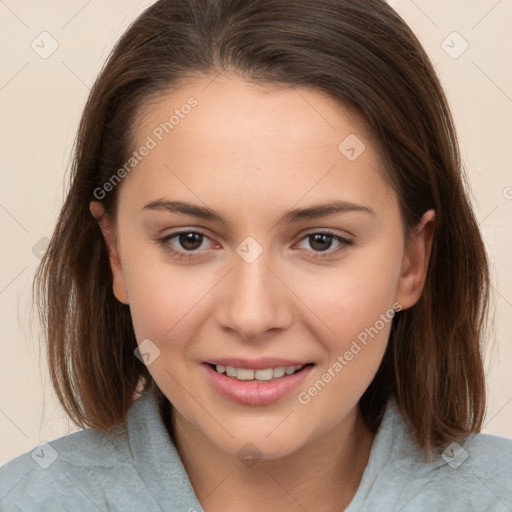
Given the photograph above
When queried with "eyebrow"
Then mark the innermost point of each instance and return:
(295, 215)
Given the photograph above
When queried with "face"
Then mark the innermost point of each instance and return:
(256, 276)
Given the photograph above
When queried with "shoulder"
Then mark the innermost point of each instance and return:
(488, 448)
(488, 459)
(56, 474)
(473, 475)
(476, 475)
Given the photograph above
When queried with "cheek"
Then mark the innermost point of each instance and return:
(163, 304)
(359, 318)
(355, 303)
(354, 296)
(159, 293)
(166, 305)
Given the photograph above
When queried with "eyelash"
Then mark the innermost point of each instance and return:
(164, 242)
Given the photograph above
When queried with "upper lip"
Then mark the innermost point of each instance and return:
(256, 364)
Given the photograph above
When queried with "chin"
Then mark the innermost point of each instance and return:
(250, 452)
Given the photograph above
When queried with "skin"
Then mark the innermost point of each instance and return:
(252, 153)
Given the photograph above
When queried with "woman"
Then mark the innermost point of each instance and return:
(268, 237)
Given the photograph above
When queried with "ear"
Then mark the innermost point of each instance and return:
(109, 234)
(415, 261)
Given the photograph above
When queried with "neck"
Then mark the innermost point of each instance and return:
(323, 475)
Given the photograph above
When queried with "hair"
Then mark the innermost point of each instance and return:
(364, 56)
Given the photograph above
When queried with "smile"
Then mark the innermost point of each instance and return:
(256, 386)
(265, 374)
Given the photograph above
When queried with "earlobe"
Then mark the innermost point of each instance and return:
(415, 262)
(109, 235)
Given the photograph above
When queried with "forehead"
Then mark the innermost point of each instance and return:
(253, 140)
(226, 104)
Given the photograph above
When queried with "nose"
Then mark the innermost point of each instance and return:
(254, 299)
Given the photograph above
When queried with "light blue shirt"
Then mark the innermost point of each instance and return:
(139, 469)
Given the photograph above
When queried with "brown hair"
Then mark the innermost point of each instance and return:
(362, 54)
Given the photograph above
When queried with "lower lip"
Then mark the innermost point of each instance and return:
(255, 392)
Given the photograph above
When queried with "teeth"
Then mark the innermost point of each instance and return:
(266, 374)
(279, 372)
(243, 374)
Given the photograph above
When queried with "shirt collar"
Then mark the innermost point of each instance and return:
(162, 469)
(156, 458)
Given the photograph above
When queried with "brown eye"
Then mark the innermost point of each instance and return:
(185, 244)
(190, 241)
(320, 242)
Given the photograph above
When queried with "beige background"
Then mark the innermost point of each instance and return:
(41, 101)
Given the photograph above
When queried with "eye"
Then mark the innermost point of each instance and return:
(190, 241)
(321, 241)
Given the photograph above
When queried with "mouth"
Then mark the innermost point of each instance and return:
(269, 382)
(261, 374)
